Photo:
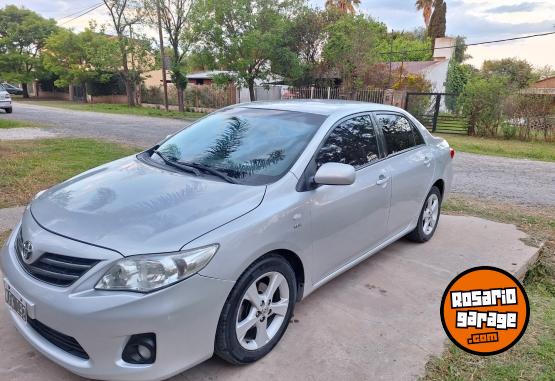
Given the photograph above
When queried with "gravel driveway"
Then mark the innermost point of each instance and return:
(140, 131)
(523, 182)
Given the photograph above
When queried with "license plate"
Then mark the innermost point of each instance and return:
(15, 301)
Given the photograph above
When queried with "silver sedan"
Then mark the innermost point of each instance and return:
(146, 266)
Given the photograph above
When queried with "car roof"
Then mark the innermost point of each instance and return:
(322, 107)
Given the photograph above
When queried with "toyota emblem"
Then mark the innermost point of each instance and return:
(27, 250)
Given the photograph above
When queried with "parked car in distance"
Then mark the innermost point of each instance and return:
(146, 266)
(12, 89)
(5, 100)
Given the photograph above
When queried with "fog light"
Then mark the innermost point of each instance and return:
(140, 349)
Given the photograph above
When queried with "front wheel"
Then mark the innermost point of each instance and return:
(429, 217)
(8, 110)
(257, 311)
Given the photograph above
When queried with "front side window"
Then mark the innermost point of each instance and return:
(397, 132)
(251, 146)
(353, 142)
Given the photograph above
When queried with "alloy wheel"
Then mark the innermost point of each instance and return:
(431, 214)
(262, 310)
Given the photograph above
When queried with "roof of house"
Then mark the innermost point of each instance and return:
(546, 79)
(208, 74)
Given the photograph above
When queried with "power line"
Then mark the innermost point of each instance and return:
(88, 10)
(473, 44)
(76, 12)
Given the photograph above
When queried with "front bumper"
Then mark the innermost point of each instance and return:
(184, 318)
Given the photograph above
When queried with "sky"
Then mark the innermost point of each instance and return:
(478, 20)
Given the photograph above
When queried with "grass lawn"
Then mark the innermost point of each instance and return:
(533, 357)
(11, 123)
(498, 147)
(117, 109)
(27, 167)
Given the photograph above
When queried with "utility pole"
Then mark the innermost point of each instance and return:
(163, 56)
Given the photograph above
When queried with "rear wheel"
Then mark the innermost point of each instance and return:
(429, 217)
(8, 110)
(257, 311)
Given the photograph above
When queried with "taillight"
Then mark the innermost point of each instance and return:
(452, 152)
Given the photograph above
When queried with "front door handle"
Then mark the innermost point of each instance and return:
(382, 180)
(427, 161)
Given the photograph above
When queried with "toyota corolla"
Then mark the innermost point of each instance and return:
(202, 244)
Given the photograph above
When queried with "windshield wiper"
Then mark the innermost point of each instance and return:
(178, 165)
(211, 170)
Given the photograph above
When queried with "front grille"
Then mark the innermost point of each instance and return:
(64, 342)
(59, 270)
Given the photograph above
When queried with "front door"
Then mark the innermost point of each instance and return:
(347, 221)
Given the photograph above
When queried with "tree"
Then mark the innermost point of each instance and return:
(124, 14)
(426, 7)
(457, 76)
(351, 47)
(174, 16)
(481, 102)
(308, 33)
(544, 72)
(77, 59)
(343, 6)
(438, 21)
(519, 73)
(22, 37)
(414, 46)
(248, 37)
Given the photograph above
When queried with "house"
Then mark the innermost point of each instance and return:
(435, 70)
(154, 78)
(543, 86)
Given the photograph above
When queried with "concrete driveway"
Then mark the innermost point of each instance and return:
(379, 321)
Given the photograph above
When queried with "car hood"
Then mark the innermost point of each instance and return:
(135, 208)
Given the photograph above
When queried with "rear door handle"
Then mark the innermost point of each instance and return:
(382, 180)
(427, 161)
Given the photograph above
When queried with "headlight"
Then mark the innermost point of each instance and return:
(146, 273)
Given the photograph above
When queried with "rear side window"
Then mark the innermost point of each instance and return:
(397, 131)
(418, 136)
(353, 142)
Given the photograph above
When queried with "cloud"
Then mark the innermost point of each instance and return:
(522, 7)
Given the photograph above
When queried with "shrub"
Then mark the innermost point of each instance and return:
(509, 130)
(532, 115)
(481, 102)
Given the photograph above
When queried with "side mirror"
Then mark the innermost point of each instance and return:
(335, 174)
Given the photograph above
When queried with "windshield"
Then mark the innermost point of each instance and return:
(251, 146)
(2, 88)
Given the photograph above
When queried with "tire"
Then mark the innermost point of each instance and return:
(423, 232)
(8, 110)
(239, 312)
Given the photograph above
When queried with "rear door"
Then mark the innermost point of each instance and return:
(347, 221)
(411, 165)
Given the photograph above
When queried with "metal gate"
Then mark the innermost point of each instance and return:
(437, 111)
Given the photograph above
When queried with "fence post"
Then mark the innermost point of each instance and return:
(436, 112)
(329, 92)
(311, 92)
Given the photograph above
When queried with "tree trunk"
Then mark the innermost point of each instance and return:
(180, 99)
(252, 93)
(25, 90)
(85, 92)
(128, 81)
